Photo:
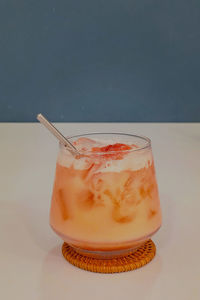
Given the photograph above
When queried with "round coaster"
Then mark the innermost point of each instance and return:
(137, 259)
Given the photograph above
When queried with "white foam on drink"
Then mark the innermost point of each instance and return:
(133, 160)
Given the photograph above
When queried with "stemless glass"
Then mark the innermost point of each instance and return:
(106, 203)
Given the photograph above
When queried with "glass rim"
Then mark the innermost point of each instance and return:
(142, 137)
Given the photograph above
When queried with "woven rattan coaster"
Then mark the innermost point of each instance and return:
(139, 258)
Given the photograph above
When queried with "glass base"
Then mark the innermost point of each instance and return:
(108, 254)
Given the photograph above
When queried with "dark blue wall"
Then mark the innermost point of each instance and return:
(100, 60)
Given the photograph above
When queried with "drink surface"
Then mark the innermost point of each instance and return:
(108, 196)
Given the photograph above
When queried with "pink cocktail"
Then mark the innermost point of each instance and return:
(106, 201)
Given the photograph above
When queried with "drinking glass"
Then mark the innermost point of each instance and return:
(105, 203)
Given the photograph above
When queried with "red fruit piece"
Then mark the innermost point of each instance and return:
(114, 147)
(118, 148)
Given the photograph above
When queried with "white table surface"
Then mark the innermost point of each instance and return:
(31, 263)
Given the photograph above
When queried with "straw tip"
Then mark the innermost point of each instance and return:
(39, 116)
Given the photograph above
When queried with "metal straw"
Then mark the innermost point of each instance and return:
(63, 140)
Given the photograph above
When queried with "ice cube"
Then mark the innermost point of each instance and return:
(85, 144)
